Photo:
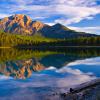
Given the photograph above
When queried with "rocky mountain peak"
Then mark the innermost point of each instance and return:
(60, 26)
(21, 24)
(24, 25)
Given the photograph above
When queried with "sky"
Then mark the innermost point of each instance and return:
(81, 15)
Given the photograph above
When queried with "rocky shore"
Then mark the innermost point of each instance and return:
(85, 91)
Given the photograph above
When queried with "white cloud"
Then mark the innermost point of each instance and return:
(39, 18)
(93, 30)
(4, 15)
(51, 24)
(74, 14)
(72, 11)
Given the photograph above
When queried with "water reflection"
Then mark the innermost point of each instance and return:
(20, 69)
(44, 83)
(31, 74)
(20, 64)
(91, 65)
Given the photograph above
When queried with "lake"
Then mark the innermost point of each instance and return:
(37, 74)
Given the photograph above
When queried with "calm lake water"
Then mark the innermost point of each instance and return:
(36, 75)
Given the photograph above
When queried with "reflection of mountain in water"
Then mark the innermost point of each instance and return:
(21, 64)
(20, 69)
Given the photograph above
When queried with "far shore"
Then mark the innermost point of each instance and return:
(32, 47)
(4, 47)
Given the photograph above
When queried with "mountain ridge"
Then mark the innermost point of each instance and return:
(24, 25)
(20, 24)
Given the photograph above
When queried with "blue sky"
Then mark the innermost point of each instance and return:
(81, 15)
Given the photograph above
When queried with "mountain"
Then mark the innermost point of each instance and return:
(60, 31)
(22, 24)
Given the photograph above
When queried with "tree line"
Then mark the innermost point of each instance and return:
(15, 40)
(11, 40)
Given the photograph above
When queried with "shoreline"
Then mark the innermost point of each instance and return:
(40, 47)
(4, 47)
(90, 90)
(32, 47)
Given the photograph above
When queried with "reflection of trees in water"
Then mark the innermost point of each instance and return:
(15, 54)
(14, 63)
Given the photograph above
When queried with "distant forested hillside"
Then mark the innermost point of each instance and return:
(8, 39)
(12, 40)
(82, 41)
